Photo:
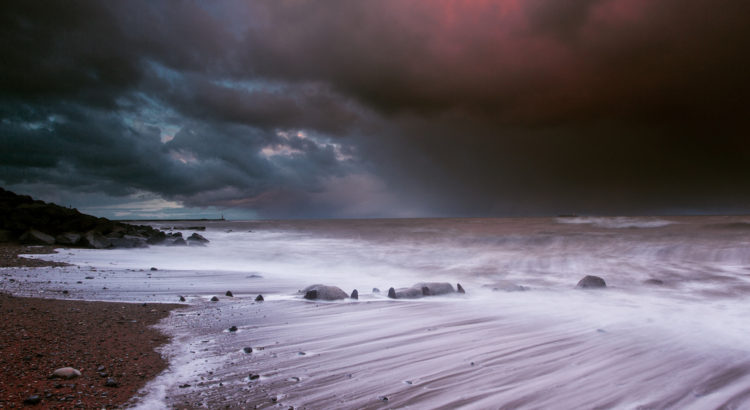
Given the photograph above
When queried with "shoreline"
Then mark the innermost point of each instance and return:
(104, 340)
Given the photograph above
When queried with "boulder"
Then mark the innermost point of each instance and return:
(323, 292)
(96, 240)
(229, 293)
(68, 239)
(422, 289)
(259, 298)
(591, 282)
(214, 299)
(354, 295)
(34, 237)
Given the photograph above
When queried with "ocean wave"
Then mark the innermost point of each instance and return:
(617, 222)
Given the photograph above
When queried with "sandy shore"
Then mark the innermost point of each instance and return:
(103, 340)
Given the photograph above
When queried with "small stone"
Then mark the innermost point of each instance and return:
(65, 292)
(101, 369)
(254, 376)
(233, 329)
(383, 398)
(66, 373)
(259, 298)
(301, 353)
(247, 350)
(89, 277)
(214, 299)
(32, 400)
(111, 383)
(79, 282)
(229, 293)
(182, 298)
(182, 386)
(103, 374)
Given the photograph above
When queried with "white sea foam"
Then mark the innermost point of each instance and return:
(549, 346)
(617, 222)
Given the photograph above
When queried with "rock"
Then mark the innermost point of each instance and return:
(66, 373)
(591, 282)
(111, 383)
(259, 298)
(176, 242)
(421, 289)
(32, 400)
(68, 239)
(506, 286)
(324, 292)
(233, 329)
(196, 239)
(34, 237)
(459, 288)
(375, 290)
(103, 374)
(656, 282)
(182, 298)
(214, 299)
(355, 295)
(96, 240)
(183, 386)
(229, 293)
(253, 376)
(128, 242)
(247, 350)
(434, 288)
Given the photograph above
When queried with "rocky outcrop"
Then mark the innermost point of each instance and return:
(196, 240)
(25, 220)
(323, 292)
(423, 289)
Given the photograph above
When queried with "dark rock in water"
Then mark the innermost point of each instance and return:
(34, 237)
(229, 293)
(183, 386)
(459, 288)
(176, 242)
(506, 286)
(253, 376)
(259, 298)
(324, 292)
(182, 298)
(154, 268)
(196, 239)
(591, 282)
(233, 329)
(656, 282)
(32, 400)
(435, 288)
(214, 299)
(355, 294)
(68, 239)
(421, 289)
(375, 290)
(111, 383)
(247, 350)
(128, 241)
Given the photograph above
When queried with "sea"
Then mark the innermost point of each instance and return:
(670, 330)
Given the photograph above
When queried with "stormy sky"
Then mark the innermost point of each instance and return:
(389, 108)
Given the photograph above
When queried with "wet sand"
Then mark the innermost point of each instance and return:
(38, 336)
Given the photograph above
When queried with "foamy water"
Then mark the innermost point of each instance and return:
(683, 344)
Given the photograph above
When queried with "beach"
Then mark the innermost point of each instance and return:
(667, 331)
(102, 340)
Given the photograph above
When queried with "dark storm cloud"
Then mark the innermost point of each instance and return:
(414, 108)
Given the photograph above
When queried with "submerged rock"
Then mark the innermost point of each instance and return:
(591, 282)
(656, 282)
(247, 350)
(214, 299)
(324, 292)
(229, 293)
(182, 298)
(506, 286)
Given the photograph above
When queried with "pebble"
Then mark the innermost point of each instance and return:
(111, 383)
(32, 400)
(66, 373)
